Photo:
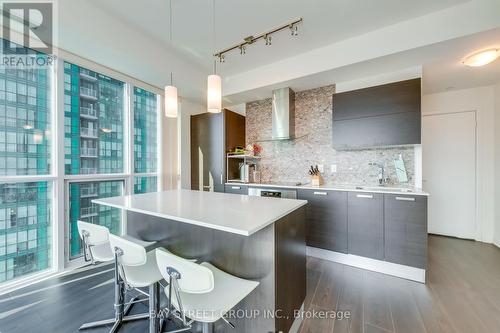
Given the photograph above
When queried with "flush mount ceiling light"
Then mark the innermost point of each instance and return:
(266, 36)
(481, 58)
(106, 130)
(171, 99)
(214, 82)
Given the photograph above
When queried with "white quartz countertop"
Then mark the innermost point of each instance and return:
(340, 187)
(239, 214)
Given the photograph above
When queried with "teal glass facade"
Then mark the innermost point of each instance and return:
(93, 122)
(25, 109)
(25, 229)
(144, 184)
(145, 131)
(25, 149)
(81, 208)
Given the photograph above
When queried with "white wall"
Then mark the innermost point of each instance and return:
(497, 164)
(482, 101)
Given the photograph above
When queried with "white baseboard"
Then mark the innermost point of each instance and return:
(496, 243)
(389, 268)
(297, 322)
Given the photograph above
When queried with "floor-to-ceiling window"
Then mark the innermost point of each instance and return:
(109, 131)
(145, 141)
(26, 215)
(94, 139)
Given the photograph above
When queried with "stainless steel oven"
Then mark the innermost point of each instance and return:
(273, 192)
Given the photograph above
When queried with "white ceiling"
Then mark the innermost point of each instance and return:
(325, 22)
(442, 68)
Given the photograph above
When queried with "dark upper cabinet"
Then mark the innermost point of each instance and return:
(406, 230)
(384, 115)
(326, 219)
(366, 224)
(211, 135)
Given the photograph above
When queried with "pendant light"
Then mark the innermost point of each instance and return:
(214, 82)
(171, 100)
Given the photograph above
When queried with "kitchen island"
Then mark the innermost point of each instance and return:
(261, 239)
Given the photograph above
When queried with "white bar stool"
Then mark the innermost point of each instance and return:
(137, 269)
(201, 292)
(97, 248)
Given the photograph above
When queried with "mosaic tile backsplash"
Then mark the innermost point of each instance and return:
(289, 161)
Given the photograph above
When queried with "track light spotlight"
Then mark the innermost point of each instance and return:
(222, 58)
(243, 49)
(268, 39)
(294, 29)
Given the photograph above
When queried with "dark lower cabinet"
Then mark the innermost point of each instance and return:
(326, 219)
(406, 230)
(366, 224)
(236, 189)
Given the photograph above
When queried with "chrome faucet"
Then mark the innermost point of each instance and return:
(382, 179)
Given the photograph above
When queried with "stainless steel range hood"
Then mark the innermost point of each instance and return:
(283, 114)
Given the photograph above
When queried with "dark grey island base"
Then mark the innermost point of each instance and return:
(275, 256)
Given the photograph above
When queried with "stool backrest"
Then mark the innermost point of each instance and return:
(96, 234)
(133, 254)
(194, 278)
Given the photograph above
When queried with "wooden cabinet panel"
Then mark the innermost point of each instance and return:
(366, 224)
(385, 115)
(406, 230)
(326, 219)
(380, 131)
(397, 97)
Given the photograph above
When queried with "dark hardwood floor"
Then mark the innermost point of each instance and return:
(462, 295)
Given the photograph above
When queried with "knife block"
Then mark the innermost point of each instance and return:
(317, 180)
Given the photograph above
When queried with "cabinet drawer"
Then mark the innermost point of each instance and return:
(406, 229)
(236, 189)
(326, 219)
(366, 224)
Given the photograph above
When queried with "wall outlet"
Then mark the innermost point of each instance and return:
(321, 168)
(333, 168)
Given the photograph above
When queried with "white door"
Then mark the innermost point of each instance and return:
(449, 172)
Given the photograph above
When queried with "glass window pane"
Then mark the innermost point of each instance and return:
(145, 184)
(25, 210)
(93, 126)
(82, 208)
(145, 122)
(25, 117)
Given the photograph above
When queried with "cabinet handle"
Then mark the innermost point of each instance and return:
(405, 199)
(236, 187)
(320, 193)
(364, 196)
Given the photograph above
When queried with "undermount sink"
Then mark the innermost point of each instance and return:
(383, 189)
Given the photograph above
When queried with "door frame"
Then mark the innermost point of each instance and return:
(477, 223)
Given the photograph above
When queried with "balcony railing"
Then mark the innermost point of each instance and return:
(88, 75)
(88, 132)
(88, 171)
(87, 211)
(88, 112)
(90, 191)
(88, 152)
(88, 92)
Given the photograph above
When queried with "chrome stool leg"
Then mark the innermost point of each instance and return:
(121, 311)
(208, 328)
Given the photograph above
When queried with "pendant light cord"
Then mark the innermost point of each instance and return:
(213, 35)
(171, 44)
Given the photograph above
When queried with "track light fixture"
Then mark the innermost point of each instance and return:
(293, 26)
